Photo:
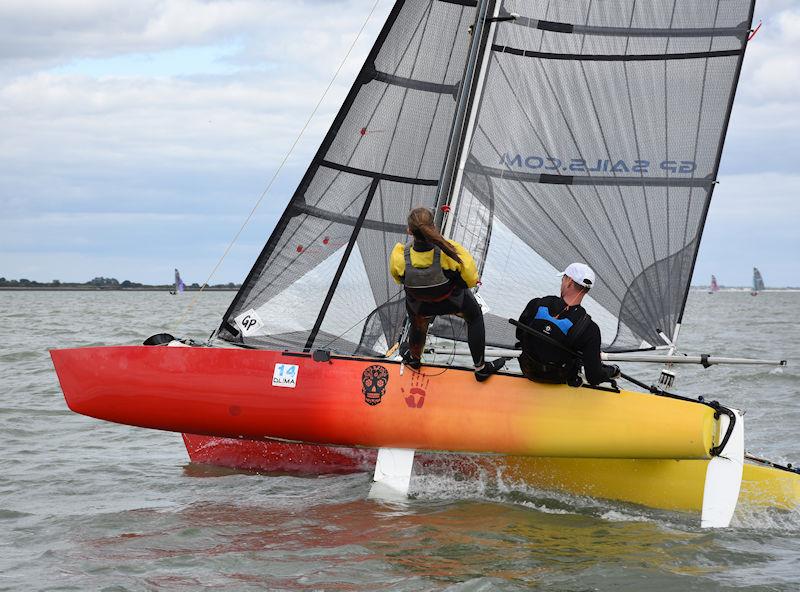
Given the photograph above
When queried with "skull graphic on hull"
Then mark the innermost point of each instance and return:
(373, 383)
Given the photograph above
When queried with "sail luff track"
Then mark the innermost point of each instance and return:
(457, 139)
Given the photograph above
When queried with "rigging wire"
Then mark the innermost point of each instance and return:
(278, 170)
(364, 318)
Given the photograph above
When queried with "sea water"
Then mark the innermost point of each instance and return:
(89, 505)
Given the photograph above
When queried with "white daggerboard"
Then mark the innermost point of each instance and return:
(392, 473)
(724, 478)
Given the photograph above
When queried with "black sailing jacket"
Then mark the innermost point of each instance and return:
(570, 326)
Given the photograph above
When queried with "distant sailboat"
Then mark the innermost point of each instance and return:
(758, 282)
(713, 288)
(179, 285)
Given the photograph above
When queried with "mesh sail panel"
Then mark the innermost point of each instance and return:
(322, 279)
(597, 139)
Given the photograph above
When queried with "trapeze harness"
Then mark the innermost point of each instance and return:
(427, 284)
(429, 293)
(565, 332)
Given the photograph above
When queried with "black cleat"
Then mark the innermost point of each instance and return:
(489, 368)
(408, 359)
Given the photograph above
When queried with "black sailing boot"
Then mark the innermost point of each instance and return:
(408, 358)
(489, 368)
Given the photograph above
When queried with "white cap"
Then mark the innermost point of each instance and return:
(580, 273)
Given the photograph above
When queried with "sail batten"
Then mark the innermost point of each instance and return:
(377, 175)
(596, 57)
(562, 179)
(561, 27)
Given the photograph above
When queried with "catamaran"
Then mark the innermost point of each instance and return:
(541, 134)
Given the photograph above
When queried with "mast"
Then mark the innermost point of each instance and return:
(464, 120)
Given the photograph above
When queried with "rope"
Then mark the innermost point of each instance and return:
(277, 171)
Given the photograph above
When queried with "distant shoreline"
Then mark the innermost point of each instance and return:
(87, 288)
(107, 289)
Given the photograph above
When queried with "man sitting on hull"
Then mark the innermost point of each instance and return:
(559, 330)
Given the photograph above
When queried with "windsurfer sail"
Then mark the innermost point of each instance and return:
(179, 285)
(713, 288)
(758, 282)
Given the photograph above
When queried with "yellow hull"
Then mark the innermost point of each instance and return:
(665, 484)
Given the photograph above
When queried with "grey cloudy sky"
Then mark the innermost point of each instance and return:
(136, 136)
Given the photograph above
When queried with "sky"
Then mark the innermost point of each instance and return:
(135, 137)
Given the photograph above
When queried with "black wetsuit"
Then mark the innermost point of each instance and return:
(451, 298)
(574, 329)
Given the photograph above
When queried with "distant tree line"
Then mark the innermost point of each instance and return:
(104, 283)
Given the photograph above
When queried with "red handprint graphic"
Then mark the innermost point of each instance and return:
(417, 391)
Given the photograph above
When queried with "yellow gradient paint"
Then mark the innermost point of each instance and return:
(666, 484)
(769, 487)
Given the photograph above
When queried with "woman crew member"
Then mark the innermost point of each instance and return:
(437, 274)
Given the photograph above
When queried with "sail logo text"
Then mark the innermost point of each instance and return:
(600, 165)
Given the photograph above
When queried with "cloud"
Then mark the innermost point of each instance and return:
(151, 127)
(101, 118)
(39, 33)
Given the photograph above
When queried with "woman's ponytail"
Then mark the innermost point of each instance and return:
(420, 223)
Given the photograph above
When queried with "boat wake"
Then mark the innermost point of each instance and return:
(489, 483)
(766, 520)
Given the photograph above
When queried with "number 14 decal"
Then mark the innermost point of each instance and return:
(285, 375)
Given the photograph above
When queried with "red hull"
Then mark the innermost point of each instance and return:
(275, 456)
(364, 403)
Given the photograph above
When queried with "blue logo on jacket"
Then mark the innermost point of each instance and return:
(543, 314)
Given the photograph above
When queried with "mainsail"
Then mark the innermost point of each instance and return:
(594, 133)
(598, 139)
